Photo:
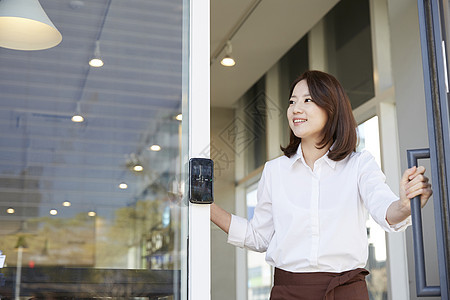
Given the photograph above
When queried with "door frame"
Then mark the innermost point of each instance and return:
(433, 40)
(199, 244)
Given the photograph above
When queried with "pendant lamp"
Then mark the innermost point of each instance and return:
(24, 25)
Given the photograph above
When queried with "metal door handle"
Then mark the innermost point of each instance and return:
(419, 257)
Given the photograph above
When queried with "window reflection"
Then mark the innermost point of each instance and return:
(93, 208)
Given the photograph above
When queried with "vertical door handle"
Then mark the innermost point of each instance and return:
(423, 290)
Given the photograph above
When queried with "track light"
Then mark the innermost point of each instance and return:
(155, 148)
(96, 61)
(77, 117)
(138, 168)
(228, 60)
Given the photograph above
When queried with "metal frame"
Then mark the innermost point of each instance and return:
(416, 216)
(434, 72)
(199, 244)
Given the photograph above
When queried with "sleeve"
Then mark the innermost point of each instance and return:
(376, 194)
(256, 233)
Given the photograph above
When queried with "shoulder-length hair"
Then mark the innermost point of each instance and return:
(340, 130)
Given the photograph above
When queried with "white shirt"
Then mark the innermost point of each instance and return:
(315, 221)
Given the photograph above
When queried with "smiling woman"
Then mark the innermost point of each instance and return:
(310, 218)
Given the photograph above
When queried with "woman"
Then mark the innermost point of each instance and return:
(312, 202)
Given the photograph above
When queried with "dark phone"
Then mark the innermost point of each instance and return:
(201, 180)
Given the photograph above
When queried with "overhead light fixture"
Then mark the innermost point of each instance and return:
(179, 117)
(228, 60)
(138, 168)
(96, 61)
(10, 210)
(77, 117)
(155, 147)
(53, 212)
(25, 26)
(92, 214)
(123, 186)
(66, 203)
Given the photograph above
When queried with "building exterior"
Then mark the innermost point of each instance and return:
(100, 208)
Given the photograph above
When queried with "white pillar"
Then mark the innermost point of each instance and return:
(317, 47)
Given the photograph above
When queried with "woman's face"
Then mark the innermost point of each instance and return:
(306, 118)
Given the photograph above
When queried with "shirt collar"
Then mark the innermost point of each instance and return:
(299, 155)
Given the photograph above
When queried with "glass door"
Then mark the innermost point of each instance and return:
(92, 157)
(434, 30)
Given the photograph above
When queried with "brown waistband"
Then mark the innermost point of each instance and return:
(330, 280)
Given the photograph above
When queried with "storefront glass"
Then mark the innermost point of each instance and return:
(93, 208)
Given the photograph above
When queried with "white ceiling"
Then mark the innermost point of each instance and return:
(267, 34)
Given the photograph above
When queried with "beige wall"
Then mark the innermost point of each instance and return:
(223, 255)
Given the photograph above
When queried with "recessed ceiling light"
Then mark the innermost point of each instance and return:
(67, 203)
(92, 214)
(10, 210)
(53, 212)
(123, 186)
(179, 117)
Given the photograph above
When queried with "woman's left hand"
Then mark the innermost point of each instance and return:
(414, 183)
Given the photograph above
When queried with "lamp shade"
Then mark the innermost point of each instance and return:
(24, 25)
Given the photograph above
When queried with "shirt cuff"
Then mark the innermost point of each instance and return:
(237, 231)
(401, 226)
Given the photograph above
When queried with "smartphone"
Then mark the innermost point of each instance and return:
(201, 180)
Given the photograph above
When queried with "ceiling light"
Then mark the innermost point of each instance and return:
(96, 61)
(123, 186)
(10, 210)
(179, 117)
(138, 168)
(228, 60)
(77, 117)
(155, 147)
(26, 26)
(53, 212)
(92, 214)
(66, 203)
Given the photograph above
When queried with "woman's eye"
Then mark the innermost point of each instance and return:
(308, 100)
(291, 102)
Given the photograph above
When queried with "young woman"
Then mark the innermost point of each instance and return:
(312, 202)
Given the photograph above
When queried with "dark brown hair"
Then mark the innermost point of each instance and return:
(340, 130)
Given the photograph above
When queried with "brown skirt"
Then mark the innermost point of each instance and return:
(349, 285)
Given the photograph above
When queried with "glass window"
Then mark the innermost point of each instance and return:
(376, 264)
(349, 49)
(293, 64)
(93, 208)
(250, 138)
(259, 272)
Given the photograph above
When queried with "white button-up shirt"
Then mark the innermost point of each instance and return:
(315, 220)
